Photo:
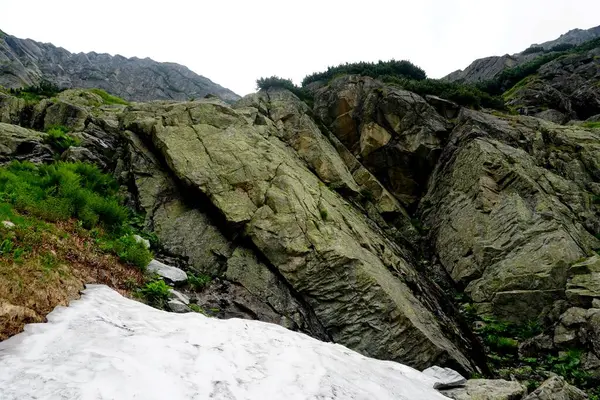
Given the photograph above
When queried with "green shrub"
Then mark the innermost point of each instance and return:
(562, 47)
(156, 293)
(400, 69)
(58, 137)
(109, 98)
(198, 282)
(128, 250)
(63, 190)
(277, 82)
(464, 94)
(533, 50)
(36, 92)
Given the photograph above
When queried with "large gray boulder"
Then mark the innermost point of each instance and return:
(510, 210)
(487, 389)
(326, 250)
(556, 388)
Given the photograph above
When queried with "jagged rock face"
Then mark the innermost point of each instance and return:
(510, 209)
(570, 85)
(268, 196)
(395, 134)
(26, 62)
(257, 173)
(483, 69)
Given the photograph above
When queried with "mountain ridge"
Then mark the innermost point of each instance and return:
(26, 62)
(489, 67)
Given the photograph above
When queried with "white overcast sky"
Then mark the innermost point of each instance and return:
(234, 42)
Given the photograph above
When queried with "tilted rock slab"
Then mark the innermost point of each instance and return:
(350, 274)
(511, 207)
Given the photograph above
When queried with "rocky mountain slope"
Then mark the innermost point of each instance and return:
(489, 67)
(25, 62)
(406, 228)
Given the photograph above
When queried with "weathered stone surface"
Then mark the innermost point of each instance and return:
(172, 274)
(177, 306)
(584, 285)
(18, 143)
(509, 209)
(487, 389)
(556, 388)
(81, 154)
(323, 247)
(553, 116)
(296, 128)
(175, 295)
(396, 134)
(447, 378)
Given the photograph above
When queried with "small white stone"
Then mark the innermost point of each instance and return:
(173, 274)
(140, 239)
(8, 224)
(446, 378)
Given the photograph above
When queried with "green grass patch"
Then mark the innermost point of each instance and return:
(509, 94)
(109, 98)
(502, 341)
(156, 293)
(591, 125)
(61, 191)
(59, 138)
(128, 250)
(34, 93)
(199, 282)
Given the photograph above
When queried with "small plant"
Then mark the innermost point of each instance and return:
(58, 137)
(128, 250)
(324, 214)
(156, 293)
(367, 194)
(196, 308)
(198, 282)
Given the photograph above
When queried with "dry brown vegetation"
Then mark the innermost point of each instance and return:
(45, 265)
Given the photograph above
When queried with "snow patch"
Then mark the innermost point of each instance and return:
(105, 346)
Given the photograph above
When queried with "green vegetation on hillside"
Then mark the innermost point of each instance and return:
(109, 98)
(277, 82)
(61, 191)
(400, 69)
(503, 340)
(510, 77)
(59, 138)
(533, 50)
(463, 94)
(37, 92)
